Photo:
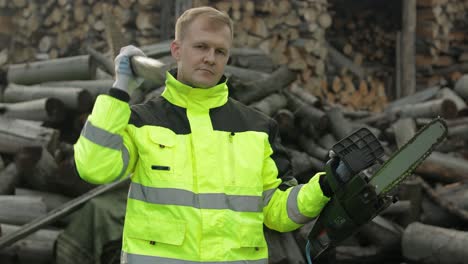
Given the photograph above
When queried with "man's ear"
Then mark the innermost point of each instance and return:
(175, 49)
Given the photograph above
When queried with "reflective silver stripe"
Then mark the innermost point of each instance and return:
(267, 196)
(170, 196)
(293, 209)
(125, 159)
(104, 138)
(129, 258)
(101, 137)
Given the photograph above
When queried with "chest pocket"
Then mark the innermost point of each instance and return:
(164, 154)
(245, 155)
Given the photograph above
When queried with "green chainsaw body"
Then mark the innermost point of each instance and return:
(361, 198)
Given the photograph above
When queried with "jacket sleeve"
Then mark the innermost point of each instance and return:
(105, 151)
(287, 210)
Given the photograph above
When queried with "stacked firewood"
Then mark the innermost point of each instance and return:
(45, 104)
(441, 40)
(361, 47)
(58, 28)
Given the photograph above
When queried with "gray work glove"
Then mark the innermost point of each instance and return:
(125, 79)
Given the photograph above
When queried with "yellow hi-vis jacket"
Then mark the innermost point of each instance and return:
(205, 175)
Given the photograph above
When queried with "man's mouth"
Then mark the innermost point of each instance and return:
(206, 70)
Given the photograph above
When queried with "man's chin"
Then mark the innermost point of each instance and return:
(204, 84)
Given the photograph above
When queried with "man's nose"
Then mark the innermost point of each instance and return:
(210, 56)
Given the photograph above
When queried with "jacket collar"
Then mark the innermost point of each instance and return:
(191, 97)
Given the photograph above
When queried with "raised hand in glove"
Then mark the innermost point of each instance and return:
(125, 79)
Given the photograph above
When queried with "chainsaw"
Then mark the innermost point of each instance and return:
(358, 197)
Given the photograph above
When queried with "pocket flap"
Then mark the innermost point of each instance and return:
(162, 136)
(154, 229)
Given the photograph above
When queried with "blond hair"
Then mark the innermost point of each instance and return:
(208, 12)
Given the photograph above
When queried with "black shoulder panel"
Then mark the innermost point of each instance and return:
(237, 117)
(159, 112)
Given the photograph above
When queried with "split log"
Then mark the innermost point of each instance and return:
(343, 62)
(437, 215)
(8, 180)
(440, 107)
(305, 96)
(94, 87)
(418, 97)
(45, 109)
(356, 114)
(327, 141)
(252, 59)
(286, 125)
(454, 208)
(461, 87)
(270, 104)
(451, 95)
(244, 75)
(383, 233)
(339, 125)
(383, 239)
(398, 208)
(444, 168)
(313, 148)
(457, 121)
(36, 248)
(36, 166)
(404, 130)
(304, 165)
(279, 79)
(39, 170)
(71, 68)
(456, 194)
(314, 115)
(384, 117)
(66, 180)
(51, 200)
(19, 210)
(73, 98)
(460, 132)
(17, 134)
(442, 246)
(411, 190)
(308, 129)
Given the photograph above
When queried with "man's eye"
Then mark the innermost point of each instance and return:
(222, 52)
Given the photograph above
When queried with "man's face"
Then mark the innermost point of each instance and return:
(202, 53)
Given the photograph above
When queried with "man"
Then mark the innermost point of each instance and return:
(205, 167)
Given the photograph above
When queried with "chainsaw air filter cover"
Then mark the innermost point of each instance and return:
(359, 150)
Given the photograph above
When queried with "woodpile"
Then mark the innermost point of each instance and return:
(361, 48)
(318, 91)
(442, 52)
(57, 28)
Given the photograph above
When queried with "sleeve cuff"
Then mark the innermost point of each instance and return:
(119, 94)
(311, 199)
